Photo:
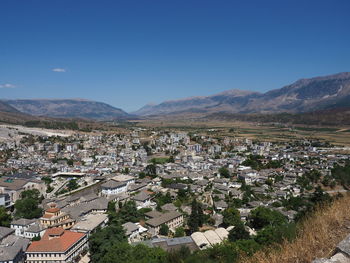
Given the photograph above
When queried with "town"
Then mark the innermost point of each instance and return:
(167, 189)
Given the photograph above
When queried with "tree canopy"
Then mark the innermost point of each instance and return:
(5, 218)
(28, 206)
(262, 216)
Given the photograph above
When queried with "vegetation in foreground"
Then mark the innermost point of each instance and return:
(273, 231)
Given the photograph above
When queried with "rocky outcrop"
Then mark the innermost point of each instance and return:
(342, 253)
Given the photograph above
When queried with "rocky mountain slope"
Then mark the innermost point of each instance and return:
(4, 107)
(68, 108)
(302, 96)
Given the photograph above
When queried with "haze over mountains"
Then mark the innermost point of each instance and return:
(305, 95)
(302, 96)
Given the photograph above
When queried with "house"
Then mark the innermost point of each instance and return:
(220, 205)
(57, 245)
(210, 238)
(142, 200)
(172, 219)
(172, 244)
(34, 230)
(5, 200)
(12, 247)
(21, 225)
(54, 217)
(124, 179)
(131, 231)
(14, 187)
(112, 187)
(88, 223)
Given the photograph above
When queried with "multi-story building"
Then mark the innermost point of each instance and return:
(57, 245)
(14, 187)
(172, 219)
(54, 217)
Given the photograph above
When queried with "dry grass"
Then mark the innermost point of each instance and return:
(319, 235)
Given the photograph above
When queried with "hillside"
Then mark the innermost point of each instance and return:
(332, 116)
(4, 107)
(304, 95)
(68, 108)
(318, 237)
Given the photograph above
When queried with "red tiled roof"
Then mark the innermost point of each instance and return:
(53, 210)
(56, 244)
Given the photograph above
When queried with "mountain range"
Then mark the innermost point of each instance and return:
(67, 108)
(304, 95)
(319, 94)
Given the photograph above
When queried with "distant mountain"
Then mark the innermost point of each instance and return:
(304, 95)
(225, 101)
(68, 108)
(4, 107)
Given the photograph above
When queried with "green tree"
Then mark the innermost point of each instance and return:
(32, 194)
(28, 205)
(262, 216)
(179, 232)
(238, 232)
(111, 211)
(231, 217)
(151, 170)
(164, 230)
(72, 185)
(129, 213)
(276, 234)
(223, 171)
(5, 218)
(102, 241)
(196, 218)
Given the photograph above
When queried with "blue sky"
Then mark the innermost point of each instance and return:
(132, 52)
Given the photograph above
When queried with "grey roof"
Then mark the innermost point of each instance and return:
(130, 228)
(170, 244)
(202, 182)
(153, 214)
(221, 203)
(83, 208)
(142, 196)
(111, 184)
(5, 231)
(164, 218)
(169, 207)
(12, 246)
(23, 222)
(174, 241)
(35, 228)
(135, 187)
(14, 183)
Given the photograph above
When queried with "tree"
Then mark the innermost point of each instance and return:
(72, 185)
(196, 218)
(262, 216)
(164, 230)
(320, 196)
(223, 171)
(103, 240)
(276, 233)
(151, 170)
(238, 233)
(111, 211)
(28, 206)
(33, 194)
(5, 218)
(128, 213)
(179, 232)
(231, 217)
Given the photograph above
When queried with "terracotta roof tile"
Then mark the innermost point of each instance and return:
(55, 244)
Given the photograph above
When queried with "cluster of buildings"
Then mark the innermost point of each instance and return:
(116, 167)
